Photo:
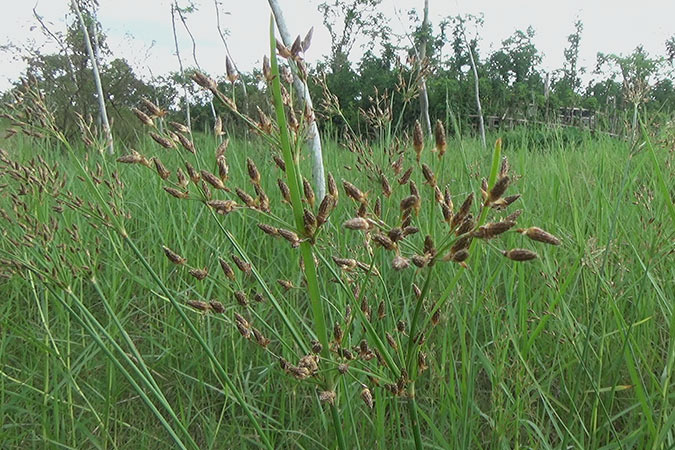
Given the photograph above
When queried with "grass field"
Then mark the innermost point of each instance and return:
(574, 349)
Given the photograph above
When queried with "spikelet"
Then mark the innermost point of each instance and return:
(213, 180)
(537, 234)
(520, 254)
(199, 274)
(199, 305)
(227, 269)
(163, 141)
(232, 74)
(173, 256)
(222, 206)
(309, 192)
(218, 127)
(357, 223)
(418, 140)
(439, 136)
(144, 118)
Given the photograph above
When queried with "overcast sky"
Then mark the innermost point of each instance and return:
(140, 30)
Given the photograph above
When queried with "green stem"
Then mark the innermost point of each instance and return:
(414, 418)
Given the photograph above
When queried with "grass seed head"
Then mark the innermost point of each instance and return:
(418, 140)
(332, 187)
(176, 193)
(241, 298)
(241, 264)
(199, 305)
(537, 234)
(199, 274)
(161, 169)
(439, 136)
(217, 307)
(222, 206)
(367, 397)
(309, 192)
(173, 256)
(357, 223)
(285, 191)
(327, 397)
(520, 254)
(213, 180)
(498, 189)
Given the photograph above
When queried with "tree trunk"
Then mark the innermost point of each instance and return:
(481, 123)
(97, 80)
(303, 92)
(635, 117)
(424, 97)
(186, 95)
(227, 50)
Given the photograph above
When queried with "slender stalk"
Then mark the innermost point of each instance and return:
(294, 182)
(414, 417)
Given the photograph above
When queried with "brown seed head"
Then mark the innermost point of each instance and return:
(204, 81)
(253, 173)
(498, 189)
(384, 241)
(418, 140)
(161, 170)
(357, 223)
(260, 339)
(153, 109)
(222, 206)
(332, 187)
(537, 234)
(290, 236)
(367, 397)
(429, 175)
(392, 342)
(179, 127)
(353, 192)
(199, 305)
(338, 334)
(245, 197)
(287, 285)
(227, 269)
(175, 192)
(217, 307)
(285, 191)
(439, 135)
(199, 274)
(309, 192)
(278, 160)
(520, 254)
(269, 229)
(192, 173)
(232, 74)
(144, 118)
(241, 264)
(405, 177)
(266, 69)
(327, 397)
(241, 298)
(173, 256)
(163, 141)
(213, 180)
(325, 208)
(490, 230)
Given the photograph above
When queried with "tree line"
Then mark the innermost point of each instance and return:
(435, 70)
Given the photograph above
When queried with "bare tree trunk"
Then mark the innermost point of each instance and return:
(186, 95)
(424, 97)
(194, 55)
(97, 80)
(635, 117)
(227, 50)
(481, 123)
(303, 92)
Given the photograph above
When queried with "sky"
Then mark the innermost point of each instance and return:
(140, 30)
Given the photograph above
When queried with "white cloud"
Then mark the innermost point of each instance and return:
(140, 30)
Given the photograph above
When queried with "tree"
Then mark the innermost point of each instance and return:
(460, 27)
(97, 77)
(637, 71)
(347, 21)
(571, 69)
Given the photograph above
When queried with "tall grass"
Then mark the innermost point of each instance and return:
(103, 347)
